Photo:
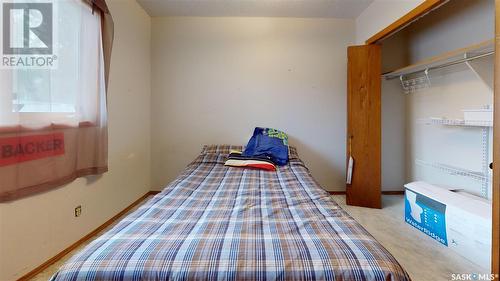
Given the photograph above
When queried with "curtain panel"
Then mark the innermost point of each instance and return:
(53, 118)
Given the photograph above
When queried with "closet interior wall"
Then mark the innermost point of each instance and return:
(456, 25)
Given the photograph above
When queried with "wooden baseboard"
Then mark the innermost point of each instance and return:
(337, 192)
(388, 192)
(393, 192)
(64, 252)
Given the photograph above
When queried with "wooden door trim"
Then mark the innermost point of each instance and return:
(411, 16)
(495, 242)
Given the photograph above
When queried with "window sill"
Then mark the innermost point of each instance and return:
(50, 127)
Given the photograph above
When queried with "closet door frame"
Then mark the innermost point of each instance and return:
(495, 243)
(419, 11)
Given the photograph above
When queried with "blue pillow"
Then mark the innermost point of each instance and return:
(267, 142)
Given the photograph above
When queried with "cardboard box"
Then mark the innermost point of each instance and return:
(456, 219)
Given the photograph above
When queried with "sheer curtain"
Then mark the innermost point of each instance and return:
(53, 122)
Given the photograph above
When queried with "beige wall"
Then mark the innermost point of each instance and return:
(456, 25)
(379, 15)
(34, 229)
(215, 79)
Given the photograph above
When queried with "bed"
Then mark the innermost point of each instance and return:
(225, 223)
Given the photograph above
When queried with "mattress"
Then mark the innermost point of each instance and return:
(227, 223)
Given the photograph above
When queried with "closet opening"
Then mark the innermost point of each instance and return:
(437, 101)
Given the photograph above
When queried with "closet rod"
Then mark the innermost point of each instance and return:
(390, 76)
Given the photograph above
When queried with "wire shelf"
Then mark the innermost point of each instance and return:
(455, 171)
(455, 122)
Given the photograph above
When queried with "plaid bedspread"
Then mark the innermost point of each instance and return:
(225, 223)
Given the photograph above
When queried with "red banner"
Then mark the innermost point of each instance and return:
(26, 148)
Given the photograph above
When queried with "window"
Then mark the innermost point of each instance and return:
(64, 93)
(53, 119)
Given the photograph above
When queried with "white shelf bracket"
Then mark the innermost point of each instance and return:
(426, 72)
(476, 73)
(405, 88)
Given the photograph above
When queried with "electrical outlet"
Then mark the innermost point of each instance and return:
(78, 211)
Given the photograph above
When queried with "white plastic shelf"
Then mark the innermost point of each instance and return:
(479, 50)
(478, 176)
(455, 122)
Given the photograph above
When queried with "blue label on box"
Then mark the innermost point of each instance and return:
(426, 215)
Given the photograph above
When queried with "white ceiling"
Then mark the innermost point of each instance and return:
(256, 8)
